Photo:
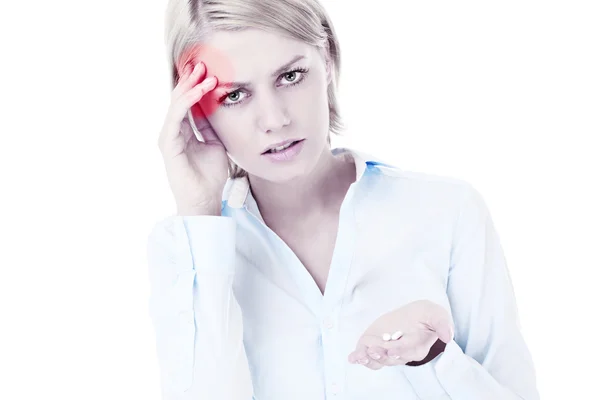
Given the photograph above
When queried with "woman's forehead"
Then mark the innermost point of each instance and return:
(244, 54)
(249, 40)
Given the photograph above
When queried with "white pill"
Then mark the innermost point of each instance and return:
(397, 335)
(387, 337)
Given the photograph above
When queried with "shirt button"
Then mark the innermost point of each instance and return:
(328, 323)
(335, 389)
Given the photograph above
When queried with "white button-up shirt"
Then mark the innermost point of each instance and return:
(237, 315)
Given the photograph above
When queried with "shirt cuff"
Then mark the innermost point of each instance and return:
(211, 242)
(425, 378)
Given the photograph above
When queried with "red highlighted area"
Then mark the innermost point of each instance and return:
(217, 64)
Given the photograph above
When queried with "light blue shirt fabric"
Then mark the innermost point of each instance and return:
(237, 315)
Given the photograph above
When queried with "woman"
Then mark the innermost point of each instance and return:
(297, 271)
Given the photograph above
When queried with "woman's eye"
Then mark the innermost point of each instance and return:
(295, 77)
(230, 99)
(292, 74)
(234, 96)
(292, 77)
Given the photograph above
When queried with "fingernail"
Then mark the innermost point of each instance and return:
(364, 361)
(395, 357)
(210, 80)
(375, 356)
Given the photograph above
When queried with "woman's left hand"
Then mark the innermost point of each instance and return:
(419, 323)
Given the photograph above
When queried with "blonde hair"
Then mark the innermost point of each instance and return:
(187, 22)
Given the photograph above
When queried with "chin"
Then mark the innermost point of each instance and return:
(282, 174)
(279, 173)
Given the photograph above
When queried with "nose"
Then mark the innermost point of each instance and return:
(272, 114)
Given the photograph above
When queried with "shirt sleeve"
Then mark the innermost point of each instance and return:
(196, 319)
(488, 357)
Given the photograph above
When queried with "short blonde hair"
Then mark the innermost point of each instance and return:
(187, 22)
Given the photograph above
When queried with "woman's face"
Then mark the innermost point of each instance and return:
(284, 96)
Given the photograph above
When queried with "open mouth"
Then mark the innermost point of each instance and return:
(282, 148)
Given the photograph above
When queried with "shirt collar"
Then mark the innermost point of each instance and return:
(236, 191)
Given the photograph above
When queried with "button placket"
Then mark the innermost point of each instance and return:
(335, 388)
(330, 348)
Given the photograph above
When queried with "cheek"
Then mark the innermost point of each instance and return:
(233, 128)
(318, 89)
(308, 103)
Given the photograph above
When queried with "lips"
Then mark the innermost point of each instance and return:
(284, 143)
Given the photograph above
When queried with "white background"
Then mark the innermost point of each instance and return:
(505, 95)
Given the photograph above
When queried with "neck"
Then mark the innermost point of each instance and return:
(320, 190)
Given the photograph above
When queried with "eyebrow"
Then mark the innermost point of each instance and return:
(279, 71)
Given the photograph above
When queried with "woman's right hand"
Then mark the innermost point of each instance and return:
(197, 171)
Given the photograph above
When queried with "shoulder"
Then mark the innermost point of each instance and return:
(389, 185)
(435, 192)
(392, 176)
(435, 197)
(380, 167)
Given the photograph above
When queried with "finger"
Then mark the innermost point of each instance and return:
(184, 74)
(179, 107)
(388, 361)
(384, 358)
(374, 365)
(189, 80)
(377, 353)
(359, 356)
